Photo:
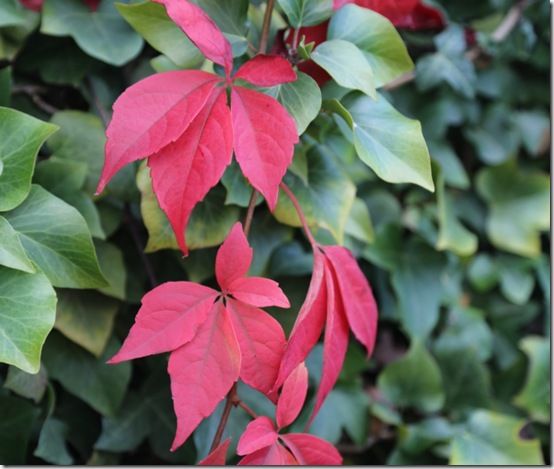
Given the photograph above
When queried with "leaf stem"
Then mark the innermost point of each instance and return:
(247, 409)
(300, 212)
(250, 212)
(265, 26)
(231, 398)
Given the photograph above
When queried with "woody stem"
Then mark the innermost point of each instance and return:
(231, 397)
(300, 213)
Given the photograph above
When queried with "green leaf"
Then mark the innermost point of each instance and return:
(51, 443)
(359, 224)
(265, 237)
(483, 273)
(301, 98)
(517, 280)
(102, 34)
(306, 12)
(12, 13)
(346, 64)
(229, 15)
(21, 137)
(452, 169)
(535, 395)
(457, 71)
(378, 39)
(534, 127)
(417, 438)
(150, 20)
(89, 378)
(112, 265)
(238, 189)
(86, 318)
(327, 198)
(31, 386)
(493, 439)
(64, 251)
(413, 381)
(12, 253)
(17, 418)
(27, 313)
(377, 126)
(519, 203)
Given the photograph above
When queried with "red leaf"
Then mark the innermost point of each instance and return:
(264, 138)
(259, 433)
(266, 70)
(169, 317)
(202, 372)
(92, 4)
(35, 5)
(151, 114)
(233, 257)
(262, 342)
(309, 323)
(217, 456)
(258, 291)
(335, 341)
(310, 450)
(184, 171)
(274, 455)
(201, 30)
(293, 396)
(357, 297)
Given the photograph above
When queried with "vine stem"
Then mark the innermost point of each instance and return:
(300, 213)
(232, 396)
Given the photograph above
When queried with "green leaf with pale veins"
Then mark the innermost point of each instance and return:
(103, 34)
(31, 386)
(86, 318)
(12, 13)
(346, 64)
(376, 37)
(535, 395)
(519, 204)
(112, 265)
(491, 438)
(52, 446)
(306, 12)
(56, 237)
(12, 253)
(326, 199)
(377, 127)
(27, 313)
(100, 385)
(21, 137)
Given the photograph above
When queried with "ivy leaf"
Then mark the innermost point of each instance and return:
(51, 443)
(457, 71)
(12, 253)
(31, 386)
(102, 34)
(21, 137)
(28, 310)
(376, 126)
(17, 417)
(306, 12)
(519, 205)
(493, 438)
(535, 396)
(63, 251)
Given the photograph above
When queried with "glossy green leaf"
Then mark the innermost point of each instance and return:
(100, 385)
(418, 437)
(535, 395)
(519, 204)
(12, 13)
(306, 12)
(52, 447)
(112, 265)
(21, 137)
(359, 224)
(27, 312)
(12, 253)
(413, 381)
(456, 71)
(103, 34)
(238, 188)
(327, 198)
(17, 417)
(493, 439)
(376, 127)
(64, 251)
(378, 39)
(31, 386)
(483, 272)
(346, 64)
(151, 21)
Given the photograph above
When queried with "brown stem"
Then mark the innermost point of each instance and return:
(265, 27)
(97, 104)
(507, 25)
(34, 93)
(300, 212)
(231, 397)
(295, 38)
(250, 212)
(247, 409)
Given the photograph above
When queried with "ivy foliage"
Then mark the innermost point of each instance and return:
(440, 187)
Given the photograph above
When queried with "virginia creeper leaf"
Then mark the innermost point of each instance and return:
(274, 455)
(257, 71)
(233, 257)
(259, 434)
(258, 291)
(293, 396)
(309, 450)
(217, 456)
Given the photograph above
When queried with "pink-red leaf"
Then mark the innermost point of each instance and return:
(262, 342)
(233, 257)
(184, 171)
(169, 317)
(258, 291)
(259, 433)
(202, 372)
(293, 396)
(218, 456)
(309, 323)
(201, 30)
(335, 341)
(151, 114)
(310, 450)
(264, 138)
(274, 455)
(357, 297)
(267, 70)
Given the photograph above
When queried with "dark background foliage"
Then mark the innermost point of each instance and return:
(460, 373)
